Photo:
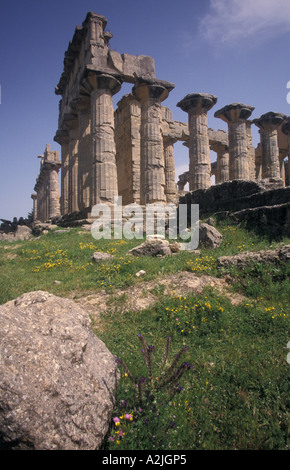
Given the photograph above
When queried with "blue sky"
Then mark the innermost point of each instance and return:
(237, 50)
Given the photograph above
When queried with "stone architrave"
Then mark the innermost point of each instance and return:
(104, 185)
(62, 137)
(197, 105)
(268, 124)
(236, 115)
(286, 130)
(151, 92)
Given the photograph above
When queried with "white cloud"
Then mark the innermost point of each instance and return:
(229, 21)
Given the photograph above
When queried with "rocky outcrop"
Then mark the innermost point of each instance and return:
(263, 205)
(279, 255)
(57, 377)
(22, 232)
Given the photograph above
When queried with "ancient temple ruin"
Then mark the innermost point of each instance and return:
(130, 151)
(46, 199)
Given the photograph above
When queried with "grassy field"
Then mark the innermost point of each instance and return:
(197, 372)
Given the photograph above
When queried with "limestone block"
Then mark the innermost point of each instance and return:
(57, 377)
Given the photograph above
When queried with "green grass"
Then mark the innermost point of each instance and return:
(235, 395)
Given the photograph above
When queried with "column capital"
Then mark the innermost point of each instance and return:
(197, 102)
(34, 196)
(286, 126)
(61, 137)
(169, 140)
(219, 147)
(234, 112)
(94, 80)
(144, 89)
(81, 104)
(270, 120)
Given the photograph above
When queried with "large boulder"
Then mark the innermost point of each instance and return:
(209, 237)
(57, 378)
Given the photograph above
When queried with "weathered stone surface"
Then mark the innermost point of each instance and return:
(152, 247)
(268, 124)
(273, 220)
(236, 115)
(22, 232)
(209, 236)
(46, 187)
(57, 377)
(236, 195)
(197, 105)
(99, 256)
(279, 255)
(151, 93)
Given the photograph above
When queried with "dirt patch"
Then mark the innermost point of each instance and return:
(145, 294)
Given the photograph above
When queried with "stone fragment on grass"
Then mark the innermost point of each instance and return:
(140, 273)
(99, 256)
(152, 247)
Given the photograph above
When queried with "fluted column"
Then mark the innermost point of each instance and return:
(82, 108)
(53, 190)
(251, 152)
(34, 198)
(236, 115)
(73, 167)
(170, 184)
(151, 93)
(268, 124)
(197, 105)
(62, 137)
(286, 129)
(103, 180)
(222, 172)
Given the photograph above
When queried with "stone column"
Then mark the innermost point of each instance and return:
(53, 190)
(127, 137)
(222, 172)
(251, 152)
(72, 126)
(170, 184)
(197, 105)
(104, 184)
(62, 137)
(268, 124)
(34, 198)
(83, 109)
(236, 115)
(286, 130)
(151, 93)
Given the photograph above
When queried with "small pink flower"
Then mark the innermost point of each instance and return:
(116, 420)
(128, 416)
